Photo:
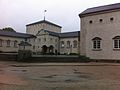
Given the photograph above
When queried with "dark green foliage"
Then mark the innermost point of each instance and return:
(84, 59)
(23, 55)
(73, 54)
(9, 29)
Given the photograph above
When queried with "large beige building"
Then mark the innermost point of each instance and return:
(43, 37)
(100, 32)
(51, 40)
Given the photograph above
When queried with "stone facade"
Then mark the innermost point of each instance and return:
(35, 27)
(44, 37)
(99, 26)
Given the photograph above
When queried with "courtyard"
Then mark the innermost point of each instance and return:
(59, 76)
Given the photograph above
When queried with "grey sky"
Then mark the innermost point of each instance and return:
(18, 13)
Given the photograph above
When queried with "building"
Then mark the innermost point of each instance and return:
(51, 40)
(43, 37)
(100, 32)
(9, 40)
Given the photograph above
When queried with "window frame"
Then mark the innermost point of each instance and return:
(8, 43)
(68, 44)
(116, 43)
(1, 42)
(15, 43)
(75, 44)
(62, 44)
(96, 44)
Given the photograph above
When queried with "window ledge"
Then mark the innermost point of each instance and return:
(96, 49)
(115, 49)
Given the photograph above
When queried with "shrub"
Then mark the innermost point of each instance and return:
(84, 59)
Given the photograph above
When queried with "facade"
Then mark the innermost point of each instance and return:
(100, 32)
(43, 37)
(33, 28)
(9, 41)
(51, 40)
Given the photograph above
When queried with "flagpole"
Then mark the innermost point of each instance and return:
(44, 14)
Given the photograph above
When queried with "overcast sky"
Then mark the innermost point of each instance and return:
(18, 13)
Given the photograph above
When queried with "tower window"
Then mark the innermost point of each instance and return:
(100, 20)
(90, 21)
(111, 19)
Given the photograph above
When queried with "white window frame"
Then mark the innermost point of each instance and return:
(96, 43)
(118, 44)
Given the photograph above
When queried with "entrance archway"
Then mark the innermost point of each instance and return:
(51, 49)
(44, 49)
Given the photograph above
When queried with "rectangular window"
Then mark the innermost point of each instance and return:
(8, 43)
(117, 44)
(62, 44)
(44, 39)
(1, 43)
(15, 44)
(96, 44)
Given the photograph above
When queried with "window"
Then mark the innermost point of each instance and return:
(15, 44)
(51, 39)
(68, 44)
(100, 20)
(34, 39)
(8, 43)
(1, 41)
(96, 43)
(62, 44)
(39, 39)
(111, 19)
(75, 44)
(116, 42)
(33, 47)
(90, 21)
(44, 39)
(55, 40)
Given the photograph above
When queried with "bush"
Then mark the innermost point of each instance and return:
(73, 54)
(84, 59)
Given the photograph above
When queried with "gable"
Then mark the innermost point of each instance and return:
(42, 32)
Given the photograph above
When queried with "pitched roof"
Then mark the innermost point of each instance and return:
(15, 34)
(52, 33)
(22, 43)
(70, 34)
(101, 9)
(64, 35)
(44, 21)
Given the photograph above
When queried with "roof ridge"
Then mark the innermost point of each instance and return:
(102, 8)
(43, 21)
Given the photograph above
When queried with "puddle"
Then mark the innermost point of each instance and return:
(67, 78)
(20, 70)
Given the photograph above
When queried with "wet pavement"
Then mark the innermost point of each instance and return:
(59, 76)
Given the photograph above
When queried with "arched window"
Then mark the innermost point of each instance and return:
(15, 44)
(8, 43)
(75, 43)
(1, 42)
(116, 42)
(68, 44)
(62, 44)
(96, 43)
